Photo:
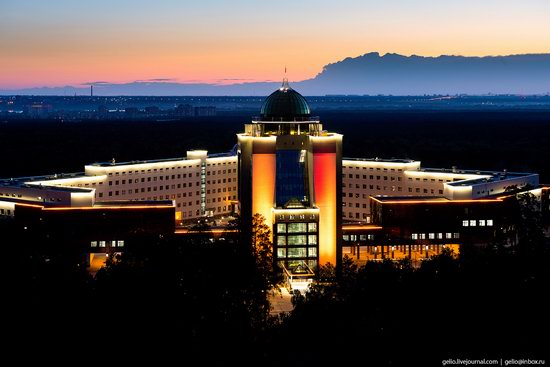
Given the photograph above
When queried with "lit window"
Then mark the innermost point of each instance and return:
(431, 236)
(465, 223)
(281, 252)
(113, 243)
(312, 227)
(93, 244)
(120, 243)
(472, 223)
(440, 236)
(489, 222)
(281, 240)
(422, 236)
(296, 227)
(312, 239)
(456, 235)
(448, 235)
(296, 240)
(414, 236)
(101, 243)
(281, 227)
(482, 222)
(312, 252)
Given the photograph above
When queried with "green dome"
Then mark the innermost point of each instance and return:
(285, 104)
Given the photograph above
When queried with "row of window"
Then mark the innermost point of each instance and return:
(475, 223)
(357, 215)
(297, 240)
(433, 236)
(372, 177)
(111, 243)
(296, 227)
(5, 211)
(297, 252)
(355, 237)
(434, 180)
(375, 169)
(147, 179)
(220, 172)
(151, 170)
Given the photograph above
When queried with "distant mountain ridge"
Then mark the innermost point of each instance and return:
(371, 73)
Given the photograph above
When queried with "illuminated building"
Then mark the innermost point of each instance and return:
(290, 170)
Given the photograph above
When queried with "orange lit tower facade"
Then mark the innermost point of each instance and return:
(290, 171)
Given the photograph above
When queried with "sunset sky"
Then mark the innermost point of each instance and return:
(56, 43)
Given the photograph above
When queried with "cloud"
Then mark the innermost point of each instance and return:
(155, 80)
(96, 83)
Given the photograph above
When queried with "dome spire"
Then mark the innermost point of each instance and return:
(285, 86)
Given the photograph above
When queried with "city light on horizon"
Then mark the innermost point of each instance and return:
(73, 43)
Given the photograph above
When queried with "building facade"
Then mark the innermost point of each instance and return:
(290, 170)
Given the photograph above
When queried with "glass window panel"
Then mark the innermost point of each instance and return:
(312, 239)
(296, 227)
(281, 240)
(312, 227)
(297, 252)
(312, 252)
(101, 243)
(93, 243)
(281, 227)
(281, 252)
(120, 243)
(291, 177)
(489, 222)
(296, 240)
(482, 223)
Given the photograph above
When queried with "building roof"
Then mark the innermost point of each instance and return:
(285, 104)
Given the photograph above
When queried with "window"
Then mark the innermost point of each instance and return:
(472, 223)
(296, 252)
(312, 227)
(296, 240)
(440, 236)
(281, 227)
(489, 222)
(101, 243)
(93, 244)
(482, 222)
(431, 236)
(312, 239)
(448, 235)
(120, 243)
(281, 240)
(465, 223)
(414, 236)
(296, 227)
(312, 252)
(281, 252)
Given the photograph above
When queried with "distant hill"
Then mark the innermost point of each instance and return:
(368, 74)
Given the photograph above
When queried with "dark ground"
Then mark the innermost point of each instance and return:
(515, 140)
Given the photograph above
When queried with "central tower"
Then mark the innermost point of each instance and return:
(290, 171)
